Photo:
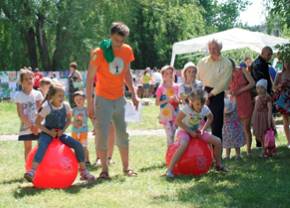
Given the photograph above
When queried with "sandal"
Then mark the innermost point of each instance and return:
(130, 173)
(104, 176)
(169, 175)
(86, 176)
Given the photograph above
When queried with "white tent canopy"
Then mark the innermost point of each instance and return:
(231, 39)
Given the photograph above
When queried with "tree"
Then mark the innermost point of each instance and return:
(280, 8)
(51, 33)
(220, 16)
(159, 24)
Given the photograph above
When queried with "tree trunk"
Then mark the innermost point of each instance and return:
(42, 43)
(60, 56)
(31, 47)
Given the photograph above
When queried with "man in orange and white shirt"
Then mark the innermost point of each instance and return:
(111, 64)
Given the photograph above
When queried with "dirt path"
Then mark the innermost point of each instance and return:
(151, 132)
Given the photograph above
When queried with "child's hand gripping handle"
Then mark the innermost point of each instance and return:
(57, 133)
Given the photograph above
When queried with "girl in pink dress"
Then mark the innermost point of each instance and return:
(167, 99)
(262, 115)
(240, 87)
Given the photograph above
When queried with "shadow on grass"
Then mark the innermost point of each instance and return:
(92, 167)
(153, 167)
(21, 192)
(15, 180)
(77, 187)
(24, 191)
(252, 182)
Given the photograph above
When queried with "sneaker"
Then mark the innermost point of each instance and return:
(86, 176)
(288, 146)
(98, 162)
(170, 175)
(29, 175)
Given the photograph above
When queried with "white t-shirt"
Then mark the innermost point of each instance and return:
(192, 119)
(46, 109)
(157, 77)
(187, 89)
(28, 104)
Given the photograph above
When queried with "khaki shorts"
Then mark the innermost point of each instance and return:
(107, 111)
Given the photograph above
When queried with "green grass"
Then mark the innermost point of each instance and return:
(9, 121)
(149, 118)
(10, 124)
(251, 182)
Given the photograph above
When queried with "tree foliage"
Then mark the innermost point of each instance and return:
(50, 33)
(281, 8)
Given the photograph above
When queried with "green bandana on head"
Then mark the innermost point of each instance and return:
(106, 46)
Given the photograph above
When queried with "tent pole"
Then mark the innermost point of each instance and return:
(172, 59)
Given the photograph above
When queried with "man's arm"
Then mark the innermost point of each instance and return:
(129, 83)
(92, 69)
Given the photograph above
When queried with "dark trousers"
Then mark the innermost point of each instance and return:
(71, 99)
(45, 140)
(216, 105)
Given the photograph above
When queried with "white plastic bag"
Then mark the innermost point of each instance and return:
(131, 114)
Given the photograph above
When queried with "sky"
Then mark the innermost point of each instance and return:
(254, 14)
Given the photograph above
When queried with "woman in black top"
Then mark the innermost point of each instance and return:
(75, 82)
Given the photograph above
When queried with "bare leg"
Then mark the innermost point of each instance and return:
(111, 142)
(217, 150)
(238, 153)
(228, 153)
(286, 128)
(248, 135)
(170, 129)
(27, 148)
(112, 137)
(103, 155)
(124, 153)
(262, 144)
(82, 165)
(177, 155)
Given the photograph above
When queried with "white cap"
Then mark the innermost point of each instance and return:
(262, 83)
(189, 64)
(186, 66)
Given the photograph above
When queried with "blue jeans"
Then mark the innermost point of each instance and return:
(45, 139)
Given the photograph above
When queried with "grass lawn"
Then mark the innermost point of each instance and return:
(9, 121)
(251, 182)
